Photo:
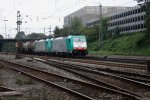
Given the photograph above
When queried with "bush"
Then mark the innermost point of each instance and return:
(129, 44)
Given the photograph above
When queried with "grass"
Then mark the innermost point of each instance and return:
(21, 80)
(133, 44)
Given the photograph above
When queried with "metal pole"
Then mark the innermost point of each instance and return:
(5, 30)
(5, 35)
(100, 26)
(19, 22)
(145, 3)
(50, 30)
(69, 30)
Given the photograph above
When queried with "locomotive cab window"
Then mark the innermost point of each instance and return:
(79, 40)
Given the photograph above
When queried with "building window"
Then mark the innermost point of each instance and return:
(123, 21)
(136, 11)
(142, 26)
(133, 11)
(131, 20)
(142, 17)
(111, 18)
(135, 19)
(134, 27)
(139, 26)
(139, 18)
(122, 15)
(139, 10)
(130, 12)
(125, 13)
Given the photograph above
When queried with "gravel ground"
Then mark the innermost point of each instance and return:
(27, 61)
(31, 89)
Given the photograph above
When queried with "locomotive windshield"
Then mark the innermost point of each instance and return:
(79, 40)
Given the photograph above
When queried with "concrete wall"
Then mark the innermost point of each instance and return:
(89, 13)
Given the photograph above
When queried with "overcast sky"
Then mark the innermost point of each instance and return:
(37, 14)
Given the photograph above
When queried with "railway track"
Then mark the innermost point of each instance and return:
(98, 77)
(82, 89)
(134, 60)
(4, 91)
(106, 63)
(117, 62)
(116, 59)
(131, 75)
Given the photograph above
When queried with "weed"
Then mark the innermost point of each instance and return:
(12, 98)
(1, 66)
(1, 83)
(23, 80)
(46, 94)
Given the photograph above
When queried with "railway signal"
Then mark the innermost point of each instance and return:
(19, 22)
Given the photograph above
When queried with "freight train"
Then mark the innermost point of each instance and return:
(71, 45)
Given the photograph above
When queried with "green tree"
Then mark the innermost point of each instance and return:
(1, 37)
(91, 33)
(76, 26)
(146, 7)
(104, 28)
(50, 36)
(63, 32)
(36, 36)
(20, 35)
(57, 31)
(96, 29)
(117, 32)
(1, 44)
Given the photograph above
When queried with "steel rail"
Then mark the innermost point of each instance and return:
(108, 63)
